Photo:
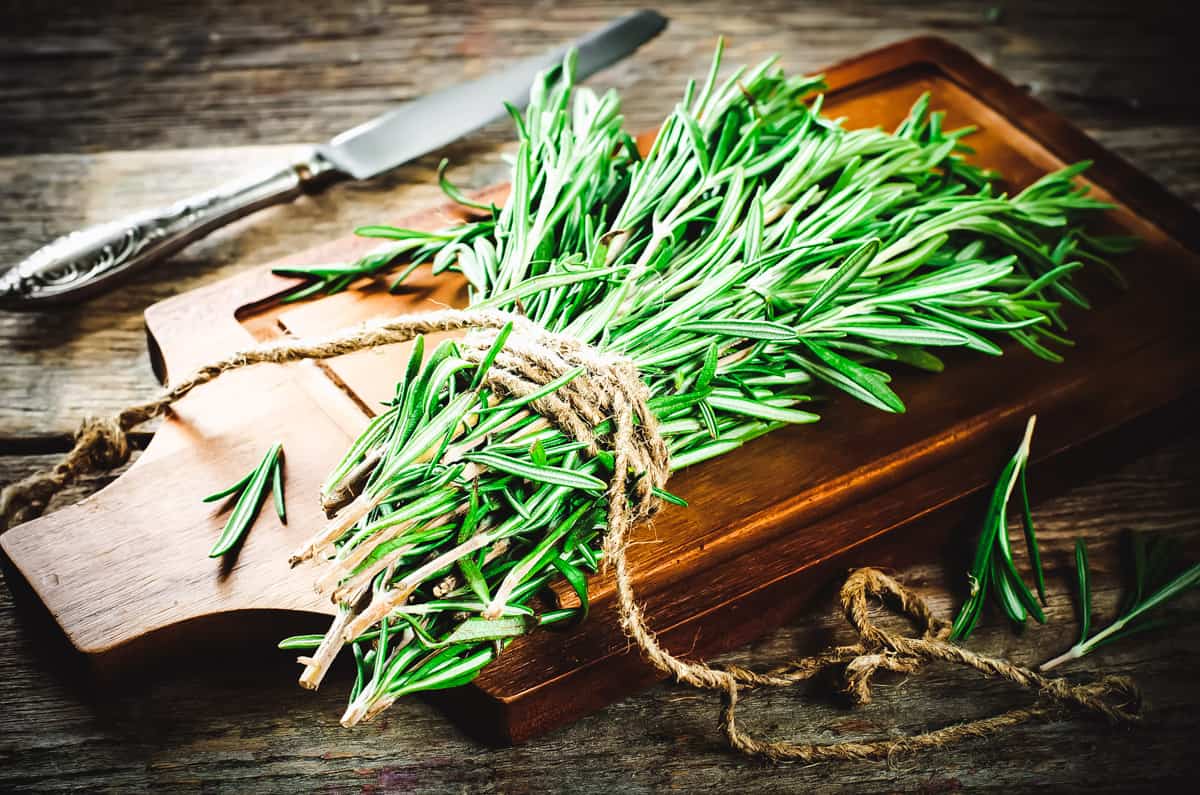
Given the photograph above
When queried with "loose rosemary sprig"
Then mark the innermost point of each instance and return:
(415, 246)
(1153, 585)
(251, 491)
(994, 567)
(756, 253)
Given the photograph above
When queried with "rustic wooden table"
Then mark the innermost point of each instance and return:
(108, 107)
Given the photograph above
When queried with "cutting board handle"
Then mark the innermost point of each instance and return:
(131, 561)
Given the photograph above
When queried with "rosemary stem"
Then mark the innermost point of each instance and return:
(398, 594)
(1081, 649)
(366, 706)
(757, 254)
(1073, 653)
(345, 569)
(352, 484)
(336, 527)
(356, 711)
(316, 665)
(1022, 455)
(340, 578)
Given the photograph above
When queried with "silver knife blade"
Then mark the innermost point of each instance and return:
(429, 123)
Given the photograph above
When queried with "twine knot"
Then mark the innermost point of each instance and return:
(609, 394)
(102, 444)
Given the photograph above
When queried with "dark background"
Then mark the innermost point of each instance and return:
(109, 107)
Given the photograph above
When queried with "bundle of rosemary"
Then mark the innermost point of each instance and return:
(758, 254)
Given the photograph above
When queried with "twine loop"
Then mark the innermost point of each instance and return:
(1116, 698)
(610, 393)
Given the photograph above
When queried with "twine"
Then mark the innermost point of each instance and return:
(102, 443)
(611, 388)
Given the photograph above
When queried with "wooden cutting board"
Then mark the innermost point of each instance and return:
(125, 573)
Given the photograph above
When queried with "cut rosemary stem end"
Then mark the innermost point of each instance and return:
(251, 491)
(757, 256)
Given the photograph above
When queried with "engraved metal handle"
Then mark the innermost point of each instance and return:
(85, 262)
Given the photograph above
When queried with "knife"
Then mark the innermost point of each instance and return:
(90, 260)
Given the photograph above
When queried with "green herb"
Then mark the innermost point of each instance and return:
(1153, 585)
(994, 568)
(757, 256)
(251, 491)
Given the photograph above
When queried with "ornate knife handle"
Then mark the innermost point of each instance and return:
(87, 261)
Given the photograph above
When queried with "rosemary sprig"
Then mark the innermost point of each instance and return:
(251, 491)
(1153, 585)
(334, 278)
(994, 567)
(758, 255)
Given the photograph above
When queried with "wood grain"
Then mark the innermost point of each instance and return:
(237, 728)
(752, 546)
(82, 86)
(90, 87)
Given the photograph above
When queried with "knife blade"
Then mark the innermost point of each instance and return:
(391, 139)
(89, 260)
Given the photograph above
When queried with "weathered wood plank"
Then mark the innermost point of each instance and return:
(240, 73)
(215, 88)
(250, 727)
(94, 83)
(62, 365)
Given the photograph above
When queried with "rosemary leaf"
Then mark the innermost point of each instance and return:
(759, 256)
(1153, 586)
(251, 490)
(993, 564)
